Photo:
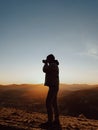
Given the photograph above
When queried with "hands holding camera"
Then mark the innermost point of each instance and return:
(45, 61)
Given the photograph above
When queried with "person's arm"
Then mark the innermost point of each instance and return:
(45, 68)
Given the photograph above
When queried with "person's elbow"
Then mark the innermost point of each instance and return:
(44, 71)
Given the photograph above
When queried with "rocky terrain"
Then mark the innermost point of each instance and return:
(15, 119)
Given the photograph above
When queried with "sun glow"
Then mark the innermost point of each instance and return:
(36, 91)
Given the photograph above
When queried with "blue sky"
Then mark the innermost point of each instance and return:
(32, 29)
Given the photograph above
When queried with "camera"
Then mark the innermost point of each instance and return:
(44, 61)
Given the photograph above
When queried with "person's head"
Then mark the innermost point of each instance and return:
(51, 59)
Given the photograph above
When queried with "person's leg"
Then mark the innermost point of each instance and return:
(49, 105)
(55, 106)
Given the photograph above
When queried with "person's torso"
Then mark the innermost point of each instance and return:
(52, 75)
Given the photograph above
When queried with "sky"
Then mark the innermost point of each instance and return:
(32, 29)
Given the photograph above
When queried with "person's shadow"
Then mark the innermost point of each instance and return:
(53, 127)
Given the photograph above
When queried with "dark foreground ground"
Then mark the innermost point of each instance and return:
(14, 119)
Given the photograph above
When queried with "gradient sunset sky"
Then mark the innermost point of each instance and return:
(32, 29)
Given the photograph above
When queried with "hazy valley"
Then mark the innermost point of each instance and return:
(75, 101)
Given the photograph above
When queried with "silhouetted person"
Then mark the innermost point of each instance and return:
(51, 71)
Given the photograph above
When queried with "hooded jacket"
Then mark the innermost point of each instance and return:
(51, 74)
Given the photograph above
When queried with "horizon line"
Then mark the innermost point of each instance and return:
(6, 84)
